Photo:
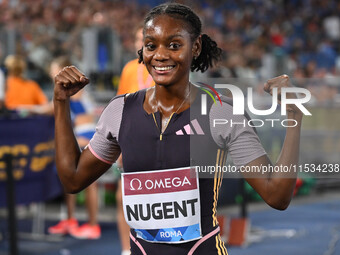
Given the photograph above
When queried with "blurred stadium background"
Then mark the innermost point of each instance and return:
(260, 39)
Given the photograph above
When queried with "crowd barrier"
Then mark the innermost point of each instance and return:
(30, 141)
(27, 166)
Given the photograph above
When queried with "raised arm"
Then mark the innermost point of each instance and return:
(76, 169)
(276, 188)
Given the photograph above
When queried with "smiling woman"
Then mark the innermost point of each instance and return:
(174, 46)
(147, 128)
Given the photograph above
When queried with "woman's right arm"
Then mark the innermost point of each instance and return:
(76, 169)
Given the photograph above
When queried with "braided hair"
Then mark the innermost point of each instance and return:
(210, 52)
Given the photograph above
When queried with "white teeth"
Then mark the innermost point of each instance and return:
(165, 68)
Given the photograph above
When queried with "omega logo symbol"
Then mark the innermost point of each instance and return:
(139, 184)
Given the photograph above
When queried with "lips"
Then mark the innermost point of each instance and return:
(163, 68)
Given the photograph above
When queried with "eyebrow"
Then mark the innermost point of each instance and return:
(170, 37)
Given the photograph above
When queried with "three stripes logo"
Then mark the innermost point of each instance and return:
(191, 129)
(206, 88)
(194, 127)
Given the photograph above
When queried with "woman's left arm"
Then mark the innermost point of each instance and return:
(276, 187)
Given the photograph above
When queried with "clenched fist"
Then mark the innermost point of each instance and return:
(286, 94)
(68, 82)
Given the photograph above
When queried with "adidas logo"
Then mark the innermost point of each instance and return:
(192, 129)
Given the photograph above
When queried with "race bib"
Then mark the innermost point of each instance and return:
(163, 206)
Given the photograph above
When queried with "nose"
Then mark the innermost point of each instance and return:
(161, 53)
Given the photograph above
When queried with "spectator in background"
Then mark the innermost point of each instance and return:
(84, 128)
(21, 93)
(134, 77)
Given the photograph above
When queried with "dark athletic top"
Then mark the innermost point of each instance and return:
(190, 139)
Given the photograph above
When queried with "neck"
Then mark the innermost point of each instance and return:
(171, 93)
(15, 75)
(170, 99)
